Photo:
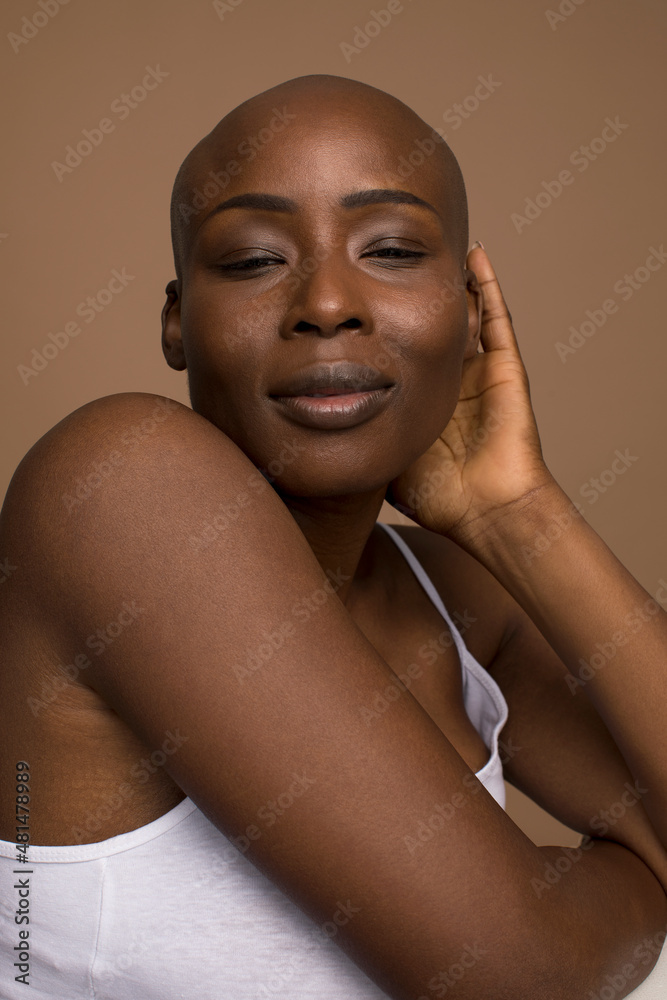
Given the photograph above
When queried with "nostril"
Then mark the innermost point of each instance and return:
(349, 324)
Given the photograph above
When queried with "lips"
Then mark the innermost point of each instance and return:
(335, 411)
(333, 379)
(333, 396)
(328, 391)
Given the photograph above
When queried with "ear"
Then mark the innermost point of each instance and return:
(172, 343)
(475, 300)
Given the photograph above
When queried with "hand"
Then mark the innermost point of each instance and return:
(488, 458)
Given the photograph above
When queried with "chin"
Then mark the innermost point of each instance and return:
(323, 483)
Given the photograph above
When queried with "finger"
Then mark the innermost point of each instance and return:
(497, 330)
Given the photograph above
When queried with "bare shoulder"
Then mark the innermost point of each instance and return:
(104, 473)
(98, 444)
(122, 422)
(480, 606)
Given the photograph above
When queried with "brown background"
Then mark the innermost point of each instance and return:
(554, 87)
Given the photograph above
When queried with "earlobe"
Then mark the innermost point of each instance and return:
(172, 343)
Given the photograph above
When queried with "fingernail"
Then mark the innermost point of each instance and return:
(477, 243)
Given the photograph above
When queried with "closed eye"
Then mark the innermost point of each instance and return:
(249, 264)
(255, 264)
(399, 251)
(394, 253)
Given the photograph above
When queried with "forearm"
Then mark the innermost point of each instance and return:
(605, 627)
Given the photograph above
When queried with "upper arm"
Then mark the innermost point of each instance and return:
(186, 531)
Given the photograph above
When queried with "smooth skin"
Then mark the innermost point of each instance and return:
(207, 596)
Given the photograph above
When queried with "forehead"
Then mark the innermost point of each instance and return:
(317, 145)
(317, 160)
(319, 107)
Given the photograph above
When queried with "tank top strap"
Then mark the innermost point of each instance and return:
(429, 587)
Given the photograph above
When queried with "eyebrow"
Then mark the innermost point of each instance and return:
(358, 199)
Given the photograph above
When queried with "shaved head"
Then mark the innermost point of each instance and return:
(319, 104)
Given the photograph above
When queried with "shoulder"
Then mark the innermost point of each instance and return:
(482, 609)
(123, 420)
(76, 460)
(118, 467)
(89, 447)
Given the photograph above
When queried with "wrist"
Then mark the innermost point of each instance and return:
(542, 512)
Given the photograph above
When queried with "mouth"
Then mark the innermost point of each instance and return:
(334, 410)
(331, 379)
(333, 396)
(324, 392)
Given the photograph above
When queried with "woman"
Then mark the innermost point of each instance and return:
(258, 756)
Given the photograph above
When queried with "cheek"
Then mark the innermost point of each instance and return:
(430, 341)
(430, 335)
(222, 342)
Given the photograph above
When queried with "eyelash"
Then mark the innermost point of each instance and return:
(254, 262)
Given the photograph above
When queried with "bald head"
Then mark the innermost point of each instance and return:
(320, 104)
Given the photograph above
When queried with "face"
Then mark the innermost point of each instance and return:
(327, 285)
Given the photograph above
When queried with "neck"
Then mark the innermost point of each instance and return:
(338, 530)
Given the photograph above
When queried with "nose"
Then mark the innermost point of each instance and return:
(324, 299)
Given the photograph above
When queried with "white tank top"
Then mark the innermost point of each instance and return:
(173, 910)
